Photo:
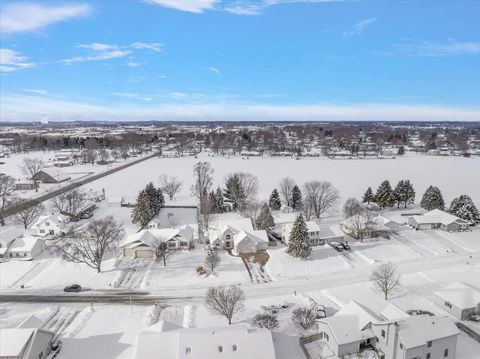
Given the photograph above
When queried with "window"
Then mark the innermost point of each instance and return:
(326, 337)
(51, 232)
(42, 231)
(445, 353)
(401, 346)
(383, 333)
(428, 355)
(448, 305)
(220, 348)
(171, 244)
(429, 344)
(40, 355)
(188, 350)
(234, 347)
(47, 223)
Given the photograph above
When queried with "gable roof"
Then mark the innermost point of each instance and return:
(460, 294)
(417, 330)
(59, 219)
(24, 244)
(13, 342)
(438, 216)
(153, 236)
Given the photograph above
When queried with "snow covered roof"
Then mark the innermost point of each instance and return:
(417, 330)
(460, 294)
(235, 341)
(256, 236)
(236, 225)
(348, 324)
(312, 226)
(55, 218)
(9, 233)
(55, 173)
(23, 244)
(153, 236)
(31, 322)
(394, 313)
(438, 216)
(14, 341)
(380, 221)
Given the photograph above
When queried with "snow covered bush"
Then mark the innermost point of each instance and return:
(304, 317)
(265, 320)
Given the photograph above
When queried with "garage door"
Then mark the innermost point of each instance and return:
(145, 253)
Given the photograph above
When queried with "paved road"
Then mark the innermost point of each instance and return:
(81, 182)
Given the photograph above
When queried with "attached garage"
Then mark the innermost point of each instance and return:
(141, 251)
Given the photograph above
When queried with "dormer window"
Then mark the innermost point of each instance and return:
(220, 348)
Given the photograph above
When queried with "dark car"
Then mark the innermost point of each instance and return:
(345, 245)
(337, 246)
(74, 288)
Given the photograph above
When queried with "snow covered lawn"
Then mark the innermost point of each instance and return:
(384, 251)
(324, 259)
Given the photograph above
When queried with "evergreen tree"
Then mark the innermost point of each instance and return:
(155, 198)
(219, 200)
(297, 200)
(234, 192)
(299, 245)
(368, 196)
(212, 198)
(265, 218)
(384, 195)
(432, 199)
(464, 208)
(409, 193)
(142, 213)
(401, 151)
(399, 193)
(274, 202)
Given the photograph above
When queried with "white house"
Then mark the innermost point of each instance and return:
(459, 299)
(361, 226)
(318, 235)
(144, 244)
(231, 342)
(52, 225)
(393, 333)
(238, 236)
(438, 219)
(7, 236)
(27, 341)
(26, 247)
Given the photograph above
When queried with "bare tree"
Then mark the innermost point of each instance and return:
(103, 154)
(70, 203)
(25, 213)
(265, 320)
(225, 301)
(361, 224)
(212, 259)
(171, 185)
(304, 317)
(386, 278)
(351, 207)
(203, 179)
(241, 189)
(320, 197)
(90, 245)
(30, 167)
(253, 210)
(286, 187)
(7, 188)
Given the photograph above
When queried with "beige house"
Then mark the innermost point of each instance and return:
(318, 235)
(437, 219)
(145, 244)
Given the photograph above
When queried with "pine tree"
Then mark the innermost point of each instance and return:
(155, 198)
(399, 193)
(401, 151)
(384, 195)
(234, 192)
(274, 202)
(219, 200)
(432, 199)
(297, 200)
(368, 196)
(213, 202)
(299, 245)
(265, 218)
(464, 208)
(409, 193)
(142, 213)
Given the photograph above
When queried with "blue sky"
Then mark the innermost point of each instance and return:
(240, 60)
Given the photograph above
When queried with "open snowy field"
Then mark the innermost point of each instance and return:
(453, 175)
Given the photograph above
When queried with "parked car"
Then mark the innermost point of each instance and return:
(345, 246)
(74, 288)
(337, 246)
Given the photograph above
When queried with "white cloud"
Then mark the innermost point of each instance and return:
(452, 47)
(11, 60)
(133, 64)
(22, 17)
(154, 46)
(131, 95)
(215, 70)
(195, 6)
(36, 91)
(244, 8)
(33, 108)
(133, 79)
(161, 76)
(359, 27)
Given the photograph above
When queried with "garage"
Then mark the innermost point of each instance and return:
(144, 253)
(141, 251)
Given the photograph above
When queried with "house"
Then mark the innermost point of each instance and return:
(459, 299)
(50, 175)
(362, 226)
(7, 236)
(86, 211)
(24, 186)
(438, 219)
(26, 247)
(62, 163)
(52, 225)
(393, 334)
(145, 244)
(238, 236)
(234, 341)
(27, 341)
(318, 235)
(95, 196)
(154, 223)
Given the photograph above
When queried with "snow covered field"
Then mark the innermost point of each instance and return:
(453, 175)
